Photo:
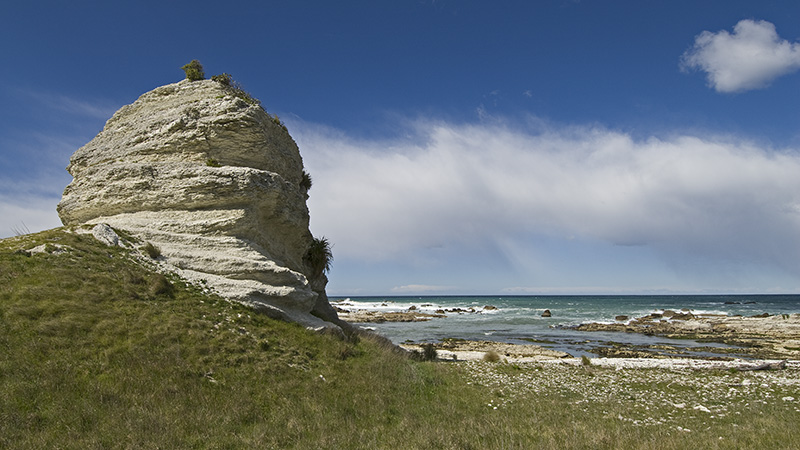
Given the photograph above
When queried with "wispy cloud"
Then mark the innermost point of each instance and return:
(497, 186)
(93, 109)
(749, 58)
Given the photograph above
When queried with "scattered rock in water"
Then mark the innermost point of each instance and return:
(547, 313)
(621, 318)
(412, 308)
(761, 316)
(490, 308)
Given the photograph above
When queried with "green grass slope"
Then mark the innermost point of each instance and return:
(99, 351)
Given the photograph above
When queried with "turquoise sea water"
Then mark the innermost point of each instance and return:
(518, 319)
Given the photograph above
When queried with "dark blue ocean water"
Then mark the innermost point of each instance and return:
(518, 319)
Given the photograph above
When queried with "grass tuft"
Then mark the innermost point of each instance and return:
(491, 356)
(152, 251)
(160, 285)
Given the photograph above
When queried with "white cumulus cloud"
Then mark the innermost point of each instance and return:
(499, 187)
(749, 58)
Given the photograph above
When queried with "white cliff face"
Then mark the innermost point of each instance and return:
(211, 180)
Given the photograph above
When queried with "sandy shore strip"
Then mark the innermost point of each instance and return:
(462, 350)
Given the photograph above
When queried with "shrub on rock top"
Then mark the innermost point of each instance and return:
(194, 71)
(223, 78)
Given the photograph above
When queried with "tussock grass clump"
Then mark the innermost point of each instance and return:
(491, 356)
(152, 251)
(160, 285)
(428, 353)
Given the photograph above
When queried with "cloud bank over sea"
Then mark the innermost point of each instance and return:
(506, 187)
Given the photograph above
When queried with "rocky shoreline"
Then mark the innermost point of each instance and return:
(410, 315)
(465, 350)
(764, 336)
(487, 351)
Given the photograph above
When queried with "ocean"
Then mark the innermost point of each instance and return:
(518, 319)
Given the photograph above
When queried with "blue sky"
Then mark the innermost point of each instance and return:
(463, 147)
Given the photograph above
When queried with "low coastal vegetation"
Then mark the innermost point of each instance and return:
(98, 350)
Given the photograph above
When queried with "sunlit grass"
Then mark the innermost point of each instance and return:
(96, 353)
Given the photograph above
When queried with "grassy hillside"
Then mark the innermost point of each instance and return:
(98, 351)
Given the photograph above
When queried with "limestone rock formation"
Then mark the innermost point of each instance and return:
(205, 174)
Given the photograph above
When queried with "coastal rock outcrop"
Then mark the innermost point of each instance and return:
(766, 336)
(200, 170)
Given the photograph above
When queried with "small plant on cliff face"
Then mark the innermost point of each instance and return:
(319, 256)
(194, 71)
(305, 182)
(277, 121)
(211, 162)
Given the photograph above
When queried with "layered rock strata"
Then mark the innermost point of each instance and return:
(201, 171)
